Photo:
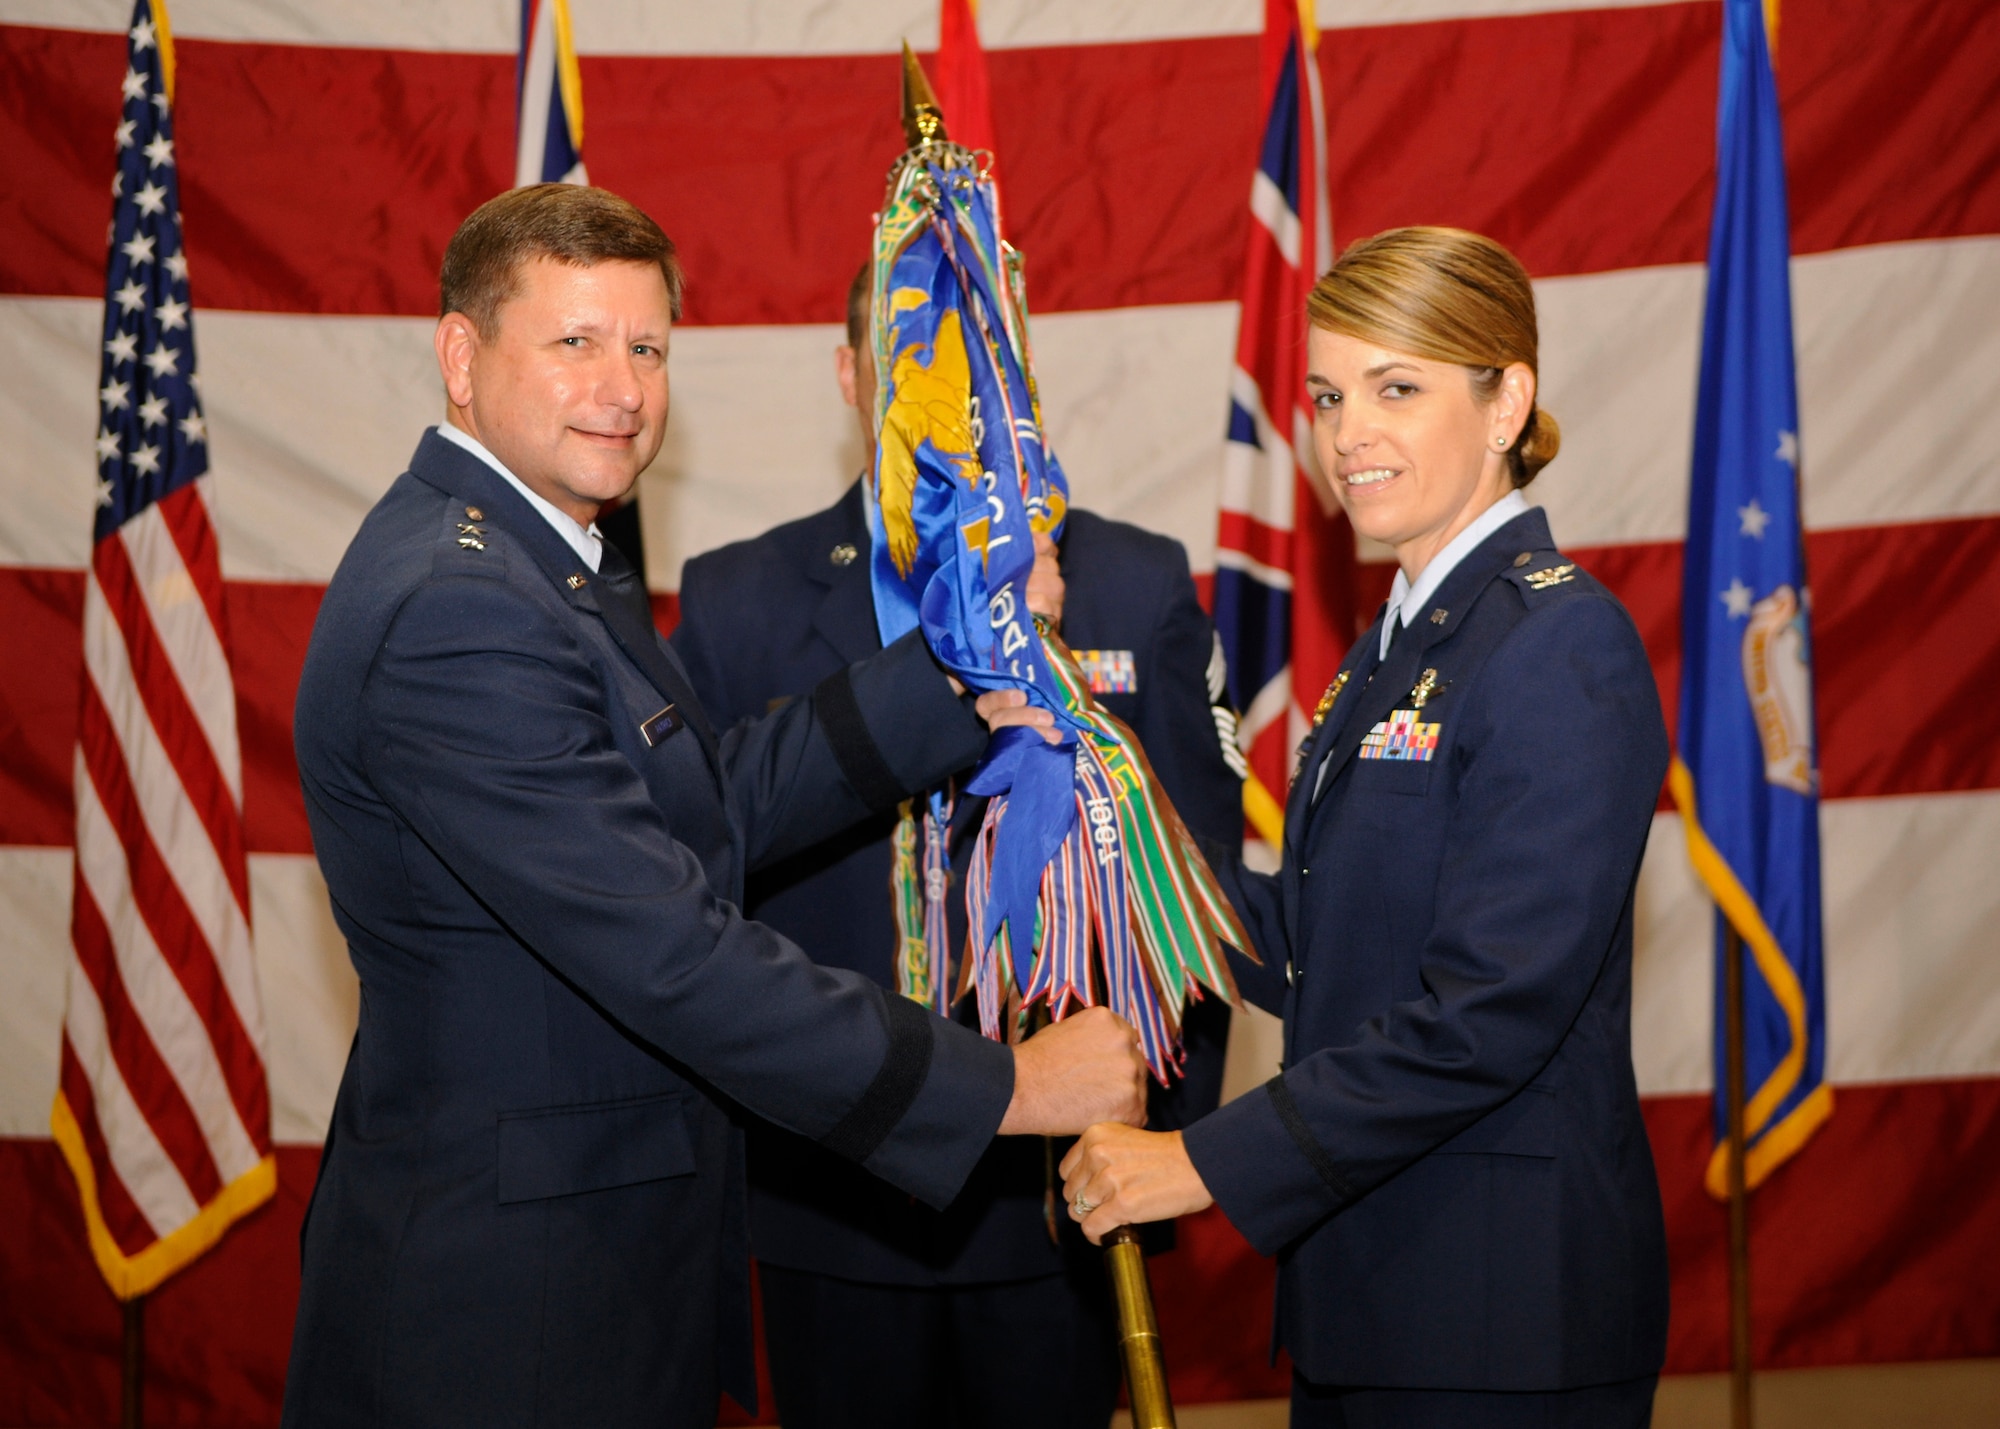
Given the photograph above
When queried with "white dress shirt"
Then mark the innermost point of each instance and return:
(586, 541)
(1407, 599)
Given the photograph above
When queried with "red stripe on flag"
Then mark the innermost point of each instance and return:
(122, 1217)
(1873, 1247)
(1267, 545)
(185, 514)
(1884, 677)
(172, 924)
(146, 1075)
(328, 179)
(173, 718)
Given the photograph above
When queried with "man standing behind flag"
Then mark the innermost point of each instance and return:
(162, 1109)
(878, 1311)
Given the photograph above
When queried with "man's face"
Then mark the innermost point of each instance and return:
(570, 390)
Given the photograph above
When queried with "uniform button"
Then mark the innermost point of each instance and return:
(473, 513)
(1524, 558)
(1291, 974)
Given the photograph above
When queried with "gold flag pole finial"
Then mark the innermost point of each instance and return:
(923, 116)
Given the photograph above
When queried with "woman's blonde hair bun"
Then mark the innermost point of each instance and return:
(1450, 296)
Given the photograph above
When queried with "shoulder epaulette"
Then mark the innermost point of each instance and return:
(467, 543)
(1539, 573)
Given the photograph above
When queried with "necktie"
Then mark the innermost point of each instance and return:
(622, 581)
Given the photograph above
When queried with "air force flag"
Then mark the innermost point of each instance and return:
(1747, 776)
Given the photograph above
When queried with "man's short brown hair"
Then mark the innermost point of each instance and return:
(569, 223)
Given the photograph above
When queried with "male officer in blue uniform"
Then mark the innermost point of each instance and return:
(879, 1311)
(530, 1207)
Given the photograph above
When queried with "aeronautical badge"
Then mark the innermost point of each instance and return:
(1320, 712)
(1326, 700)
(1109, 672)
(1402, 736)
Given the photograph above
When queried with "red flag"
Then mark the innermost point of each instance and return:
(962, 88)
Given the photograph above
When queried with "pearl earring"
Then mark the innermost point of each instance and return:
(1500, 442)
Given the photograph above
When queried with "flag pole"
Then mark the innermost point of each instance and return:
(1138, 1331)
(1740, 1416)
(133, 1368)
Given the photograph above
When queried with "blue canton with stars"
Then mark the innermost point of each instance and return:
(151, 439)
(1748, 738)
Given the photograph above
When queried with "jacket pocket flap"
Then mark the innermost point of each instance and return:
(1523, 1126)
(558, 1151)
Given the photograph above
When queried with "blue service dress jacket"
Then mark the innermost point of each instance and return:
(530, 1208)
(765, 618)
(1451, 1166)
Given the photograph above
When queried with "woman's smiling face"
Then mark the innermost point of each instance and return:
(1409, 447)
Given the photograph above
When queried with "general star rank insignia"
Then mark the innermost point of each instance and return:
(1109, 672)
(1402, 736)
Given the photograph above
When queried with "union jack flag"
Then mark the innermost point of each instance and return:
(1275, 635)
(548, 138)
(162, 1110)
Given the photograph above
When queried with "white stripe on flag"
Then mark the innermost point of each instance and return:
(1234, 560)
(538, 93)
(312, 417)
(137, 1158)
(1267, 707)
(171, 1021)
(171, 821)
(1258, 481)
(1268, 207)
(193, 645)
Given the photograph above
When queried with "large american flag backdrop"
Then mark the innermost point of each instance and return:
(325, 153)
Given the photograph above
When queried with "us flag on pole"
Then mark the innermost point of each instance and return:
(1282, 563)
(162, 1109)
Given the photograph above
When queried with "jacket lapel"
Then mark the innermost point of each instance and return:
(641, 642)
(1449, 606)
(1361, 666)
(466, 478)
(845, 615)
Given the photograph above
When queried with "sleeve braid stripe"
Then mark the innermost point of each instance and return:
(894, 1091)
(1315, 1154)
(854, 747)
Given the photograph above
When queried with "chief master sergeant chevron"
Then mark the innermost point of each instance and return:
(530, 1207)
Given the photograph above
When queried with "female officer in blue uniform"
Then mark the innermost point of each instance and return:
(1451, 1166)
